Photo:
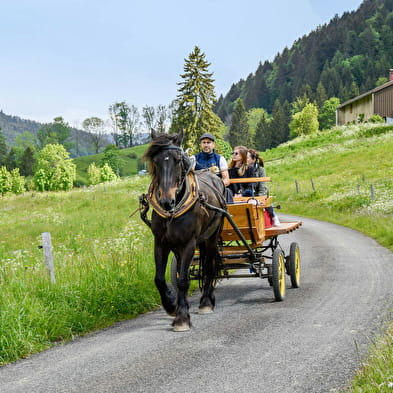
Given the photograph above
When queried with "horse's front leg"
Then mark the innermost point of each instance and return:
(168, 297)
(182, 320)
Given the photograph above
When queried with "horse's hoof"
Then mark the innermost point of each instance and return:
(205, 310)
(184, 327)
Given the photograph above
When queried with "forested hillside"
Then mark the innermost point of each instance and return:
(344, 58)
(11, 127)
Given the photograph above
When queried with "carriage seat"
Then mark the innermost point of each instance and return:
(248, 214)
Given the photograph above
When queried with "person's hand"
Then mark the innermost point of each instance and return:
(226, 182)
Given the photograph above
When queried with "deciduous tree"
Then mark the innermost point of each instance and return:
(95, 127)
(306, 121)
(125, 123)
(55, 169)
(327, 115)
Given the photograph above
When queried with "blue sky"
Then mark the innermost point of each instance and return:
(74, 58)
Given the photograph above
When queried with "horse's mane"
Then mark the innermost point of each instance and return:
(158, 143)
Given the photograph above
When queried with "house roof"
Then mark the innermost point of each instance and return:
(375, 90)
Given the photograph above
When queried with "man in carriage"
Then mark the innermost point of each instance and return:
(209, 159)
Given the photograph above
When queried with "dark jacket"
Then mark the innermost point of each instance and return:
(241, 187)
(207, 160)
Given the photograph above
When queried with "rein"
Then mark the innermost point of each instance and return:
(191, 193)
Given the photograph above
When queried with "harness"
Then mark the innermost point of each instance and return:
(192, 194)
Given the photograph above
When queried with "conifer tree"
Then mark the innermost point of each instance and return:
(280, 123)
(263, 133)
(194, 104)
(3, 148)
(320, 96)
(239, 131)
(27, 162)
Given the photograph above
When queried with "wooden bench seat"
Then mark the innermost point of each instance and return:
(249, 219)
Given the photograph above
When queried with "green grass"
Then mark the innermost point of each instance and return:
(103, 257)
(130, 163)
(103, 265)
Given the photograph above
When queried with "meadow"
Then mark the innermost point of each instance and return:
(102, 252)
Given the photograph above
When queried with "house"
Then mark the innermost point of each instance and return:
(376, 101)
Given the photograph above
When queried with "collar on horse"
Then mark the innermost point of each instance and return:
(190, 196)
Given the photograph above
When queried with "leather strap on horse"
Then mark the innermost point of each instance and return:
(185, 204)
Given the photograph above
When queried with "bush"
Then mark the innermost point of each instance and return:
(94, 173)
(367, 132)
(18, 182)
(375, 118)
(55, 170)
(107, 173)
(5, 181)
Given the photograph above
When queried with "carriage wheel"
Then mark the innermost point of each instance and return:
(278, 274)
(294, 265)
(173, 273)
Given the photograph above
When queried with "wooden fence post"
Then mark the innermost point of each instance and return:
(297, 187)
(372, 192)
(47, 247)
(312, 184)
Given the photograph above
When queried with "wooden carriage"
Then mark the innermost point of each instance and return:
(249, 245)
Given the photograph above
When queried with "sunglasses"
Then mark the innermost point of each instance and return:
(235, 153)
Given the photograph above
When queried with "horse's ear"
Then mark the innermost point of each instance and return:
(179, 137)
(153, 133)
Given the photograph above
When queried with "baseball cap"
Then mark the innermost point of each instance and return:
(207, 135)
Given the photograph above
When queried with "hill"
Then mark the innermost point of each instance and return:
(344, 58)
(12, 126)
(130, 158)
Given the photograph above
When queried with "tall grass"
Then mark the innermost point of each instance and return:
(104, 267)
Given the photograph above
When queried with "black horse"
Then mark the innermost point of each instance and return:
(181, 221)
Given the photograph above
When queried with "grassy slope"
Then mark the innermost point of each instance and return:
(103, 257)
(129, 158)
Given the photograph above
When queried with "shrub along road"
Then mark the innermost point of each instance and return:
(310, 342)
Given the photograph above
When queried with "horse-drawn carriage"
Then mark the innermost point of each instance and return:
(209, 239)
(249, 247)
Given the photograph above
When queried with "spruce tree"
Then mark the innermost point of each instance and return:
(3, 148)
(10, 160)
(279, 124)
(195, 101)
(27, 162)
(263, 133)
(239, 131)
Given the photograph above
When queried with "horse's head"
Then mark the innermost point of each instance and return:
(168, 165)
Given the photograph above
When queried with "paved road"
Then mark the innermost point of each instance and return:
(307, 343)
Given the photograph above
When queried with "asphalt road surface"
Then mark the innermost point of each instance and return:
(310, 342)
